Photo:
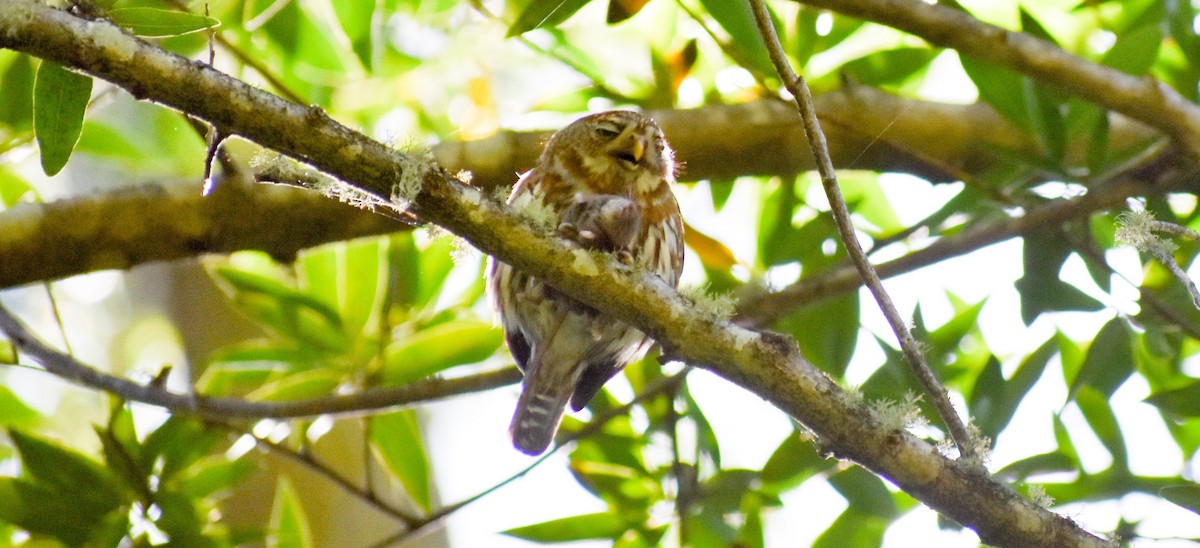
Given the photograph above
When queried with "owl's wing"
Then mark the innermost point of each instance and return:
(518, 345)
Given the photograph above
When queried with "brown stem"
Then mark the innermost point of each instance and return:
(939, 397)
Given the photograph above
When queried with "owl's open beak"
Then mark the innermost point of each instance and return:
(631, 152)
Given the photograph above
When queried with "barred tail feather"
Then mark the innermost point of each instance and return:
(536, 419)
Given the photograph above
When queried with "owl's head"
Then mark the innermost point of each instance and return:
(615, 152)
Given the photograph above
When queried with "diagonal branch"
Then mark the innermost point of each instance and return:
(1141, 98)
(768, 365)
(968, 445)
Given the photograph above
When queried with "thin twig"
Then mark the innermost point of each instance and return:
(249, 60)
(837, 204)
(321, 469)
(655, 388)
(70, 369)
(1174, 230)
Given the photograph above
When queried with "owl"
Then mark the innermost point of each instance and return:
(606, 180)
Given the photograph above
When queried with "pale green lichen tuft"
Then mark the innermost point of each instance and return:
(536, 212)
(717, 306)
(899, 415)
(1037, 495)
(1136, 228)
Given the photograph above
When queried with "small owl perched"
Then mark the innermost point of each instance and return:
(607, 177)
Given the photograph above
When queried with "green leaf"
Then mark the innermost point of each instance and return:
(41, 509)
(13, 411)
(889, 66)
(178, 443)
(706, 439)
(68, 471)
(181, 519)
(543, 13)
(1041, 290)
(737, 20)
(1185, 496)
(298, 386)
(355, 18)
(438, 348)
(397, 438)
(1099, 414)
(865, 492)
(212, 474)
(601, 525)
(1044, 463)
(1180, 402)
(289, 526)
(1109, 360)
(794, 461)
(60, 98)
(1001, 88)
(16, 87)
(625, 486)
(1135, 51)
(348, 277)
(827, 331)
(994, 413)
(296, 314)
(13, 190)
(853, 528)
(153, 22)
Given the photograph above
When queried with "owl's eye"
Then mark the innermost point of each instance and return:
(607, 131)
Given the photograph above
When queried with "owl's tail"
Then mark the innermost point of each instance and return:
(539, 411)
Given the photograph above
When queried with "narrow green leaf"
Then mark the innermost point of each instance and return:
(298, 386)
(16, 87)
(543, 13)
(212, 474)
(1099, 414)
(289, 525)
(355, 19)
(827, 331)
(1135, 51)
(439, 348)
(13, 411)
(1040, 287)
(891, 66)
(1186, 496)
(397, 438)
(737, 20)
(706, 439)
(1109, 360)
(1180, 402)
(794, 461)
(68, 471)
(1002, 409)
(750, 534)
(602, 525)
(865, 492)
(1002, 88)
(1044, 463)
(15, 189)
(151, 22)
(296, 314)
(60, 98)
(853, 528)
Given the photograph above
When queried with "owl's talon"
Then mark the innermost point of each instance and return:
(625, 257)
(567, 231)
